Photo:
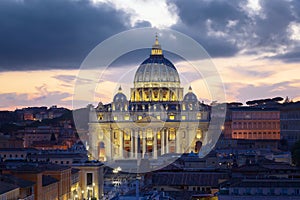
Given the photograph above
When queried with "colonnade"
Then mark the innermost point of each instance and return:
(138, 143)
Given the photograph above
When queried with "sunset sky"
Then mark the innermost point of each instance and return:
(254, 44)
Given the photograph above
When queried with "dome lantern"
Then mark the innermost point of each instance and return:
(156, 48)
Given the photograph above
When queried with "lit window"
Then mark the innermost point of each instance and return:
(115, 118)
(126, 117)
(172, 134)
(140, 117)
(149, 135)
(158, 135)
(126, 137)
(158, 117)
(183, 117)
(171, 117)
(199, 134)
(198, 115)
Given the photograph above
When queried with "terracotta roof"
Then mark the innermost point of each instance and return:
(8, 178)
(48, 180)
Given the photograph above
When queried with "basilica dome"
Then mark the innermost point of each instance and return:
(120, 97)
(156, 79)
(157, 70)
(190, 96)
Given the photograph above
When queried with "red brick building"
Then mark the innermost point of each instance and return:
(252, 123)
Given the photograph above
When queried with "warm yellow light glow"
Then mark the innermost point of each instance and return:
(171, 117)
(172, 134)
(183, 117)
(199, 134)
(156, 52)
(126, 136)
(149, 134)
(199, 115)
(158, 135)
(100, 117)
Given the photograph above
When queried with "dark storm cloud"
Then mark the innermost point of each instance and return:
(48, 34)
(207, 22)
(136, 57)
(272, 28)
(292, 56)
(45, 34)
(224, 28)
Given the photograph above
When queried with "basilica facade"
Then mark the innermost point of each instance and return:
(157, 118)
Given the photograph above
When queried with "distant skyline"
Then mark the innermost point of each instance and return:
(255, 45)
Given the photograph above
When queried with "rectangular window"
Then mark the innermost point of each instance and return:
(149, 135)
(127, 137)
(172, 134)
(198, 115)
(158, 135)
(89, 178)
(171, 117)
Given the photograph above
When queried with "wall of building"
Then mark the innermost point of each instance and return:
(50, 192)
(10, 195)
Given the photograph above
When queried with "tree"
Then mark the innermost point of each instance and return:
(277, 99)
(235, 104)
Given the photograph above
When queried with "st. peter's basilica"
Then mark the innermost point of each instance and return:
(157, 119)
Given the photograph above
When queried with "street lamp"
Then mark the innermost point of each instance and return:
(88, 192)
(93, 189)
(82, 192)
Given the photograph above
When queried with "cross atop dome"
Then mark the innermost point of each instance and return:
(156, 48)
